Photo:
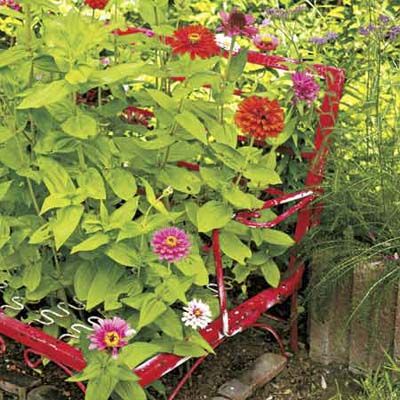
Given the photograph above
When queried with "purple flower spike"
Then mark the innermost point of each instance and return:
(171, 244)
(110, 334)
(384, 19)
(305, 87)
(237, 23)
(330, 36)
(318, 40)
(366, 30)
(394, 32)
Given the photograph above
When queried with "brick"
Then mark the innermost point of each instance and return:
(396, 350)
(46, 393)
(18, 384)
(371, 333)
(265, 368)
(235, 390)
(329, 337)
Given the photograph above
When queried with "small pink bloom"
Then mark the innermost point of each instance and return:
(266, 42)
(237, 23)
(171, 244)
(110, 334)
(197, 314)
(305, 87)
(11, 4)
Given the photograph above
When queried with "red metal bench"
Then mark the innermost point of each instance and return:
(247, 314)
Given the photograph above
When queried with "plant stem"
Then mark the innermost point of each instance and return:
(246, 161)
(172, 132)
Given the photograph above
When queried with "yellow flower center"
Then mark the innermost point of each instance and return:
(194, 38)
(266, 40)
(112, 339)
(171, 241)
(197, 312)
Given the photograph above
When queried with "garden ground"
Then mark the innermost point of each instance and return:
(301, 380)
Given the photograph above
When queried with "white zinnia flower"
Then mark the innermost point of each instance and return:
(197, 314)
(225, 42)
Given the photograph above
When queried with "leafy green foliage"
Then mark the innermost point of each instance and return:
(85, 182)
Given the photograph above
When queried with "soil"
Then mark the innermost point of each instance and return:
(12, 361)
(301, 380)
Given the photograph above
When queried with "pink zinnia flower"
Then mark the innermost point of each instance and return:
(237, 23)
(110, 334)
(171, 244)
(11, 4)
(197, 314)
(266, 42)
(305, 87)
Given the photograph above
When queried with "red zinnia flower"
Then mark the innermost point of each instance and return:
(134, 115)
(195, 40)
(260, 117)
(97, 4)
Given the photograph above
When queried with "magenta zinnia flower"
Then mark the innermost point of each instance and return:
(171, 244)
(110, 334)
(237, 23)
(305, 87)
(11, 4)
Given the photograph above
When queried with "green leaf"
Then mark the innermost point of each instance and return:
(5, 134)
(93, 370)
(277, 237)
(240, 199)
(55, 176)
(123, 214)
(122, 182)
(193, 265)
(234, 248)
(106, 277)
(163, 100)
(55, 200)
(170, 323)
(12, 55)
(151, 198)
(213, 215)
(136, 353)
(92, 243)
(92, 182)
(117, 73)
(150, 311)
(180, 179)
(43, 95)
(32, 276)
(187, 349)
(83, 279)
(230, 157)
(148, 9)
(4, 188)
(80, 126)
(130, 391)
(101, 387)
(238, 62)
(65, 223)
(261, 176)
(192, 125)
(123, 254)
(41, 235)
(271, 273)
(284, 135)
